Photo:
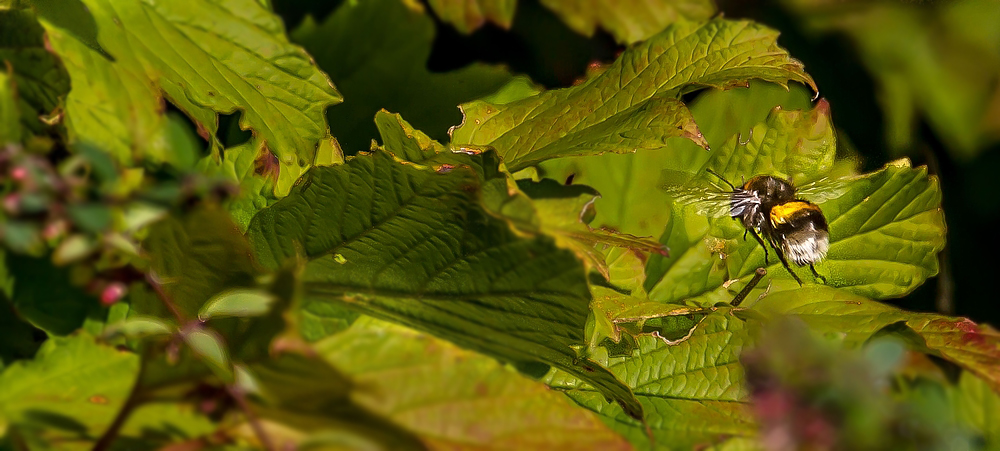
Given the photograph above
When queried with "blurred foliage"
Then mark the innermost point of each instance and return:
(493, 264)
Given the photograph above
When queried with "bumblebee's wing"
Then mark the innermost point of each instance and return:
(824, 189)
(705, 200)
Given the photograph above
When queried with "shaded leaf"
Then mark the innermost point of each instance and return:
(414, 246)
(197, 256)
(633, 104)
(468, 15)
(629, 21)
(206, 58)
(376, 51)
(40, 77)
(69, 394)
(977, 406)
(10, 124)
(246, 164)
(44, 296)
(238, 302)
(456, 399)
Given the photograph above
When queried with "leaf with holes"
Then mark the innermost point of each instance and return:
(633, 104)
(415, 246)
(691, 389)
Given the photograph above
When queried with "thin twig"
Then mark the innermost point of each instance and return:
(131, 403)
(759, 274)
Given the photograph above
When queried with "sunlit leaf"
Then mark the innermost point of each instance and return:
(633, 104)
(629, 21)
(69, 394)
(376, 51)
(468, 15)
(415, 246)
(137, 327)
(692, 390)
(205, 57)
(456, 399)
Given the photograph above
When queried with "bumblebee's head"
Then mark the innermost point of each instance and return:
(771, 190)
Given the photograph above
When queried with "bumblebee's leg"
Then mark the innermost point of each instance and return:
(759, 240)
(784, 262)
(813, 268)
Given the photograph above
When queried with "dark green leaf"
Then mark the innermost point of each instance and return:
(376, 52)
(197, 256)
(40, 77)
(414, 246)
(45, 296)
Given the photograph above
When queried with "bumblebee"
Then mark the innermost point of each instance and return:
(796, 229)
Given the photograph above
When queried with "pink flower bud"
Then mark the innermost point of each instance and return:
(112, 292)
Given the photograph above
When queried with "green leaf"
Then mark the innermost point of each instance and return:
(245, 164)
(238, 303)
(856, 319)
(39, 76)
(206, 57)
(634, 103)
(692, 390)
(376, 51)
(455, 399)
(45, 296)
(632, 200)
(468, 15)
(73, 18)
(629, 21)
(156, 424)
(886, 227)
(977, 406)
(415, 246)
(207, 344)
(197, 256)
(69, 394)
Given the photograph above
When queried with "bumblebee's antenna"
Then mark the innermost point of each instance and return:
(721, 178)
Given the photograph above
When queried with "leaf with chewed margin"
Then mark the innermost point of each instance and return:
(68, 395)
(692, 390)
(206, 57)
(629, 21)
(633, 104)
(972, 346)
(455, 399)
(411, 245)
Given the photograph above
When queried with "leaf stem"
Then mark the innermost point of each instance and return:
(258, 430)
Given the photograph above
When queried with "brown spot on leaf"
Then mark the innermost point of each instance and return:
(98, 399)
